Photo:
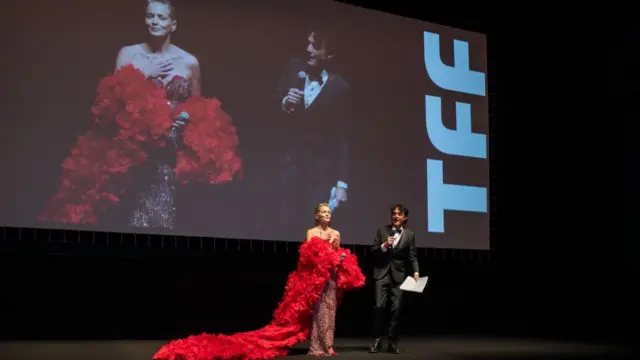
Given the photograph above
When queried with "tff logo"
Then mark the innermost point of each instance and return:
(458, 142)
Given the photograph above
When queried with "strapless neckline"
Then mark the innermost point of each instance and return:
(178, 89)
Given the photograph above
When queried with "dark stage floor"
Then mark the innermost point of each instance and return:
(431, 348)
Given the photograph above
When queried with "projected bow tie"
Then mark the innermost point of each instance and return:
(396, 230)
(312, 77)
(315, 78)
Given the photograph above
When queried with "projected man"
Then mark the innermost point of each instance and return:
(393, 246)
(313, 99)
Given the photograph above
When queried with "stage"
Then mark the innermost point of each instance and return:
(431, 348)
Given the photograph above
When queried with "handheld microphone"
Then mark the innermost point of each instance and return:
(184, 116)
(175, 139)
(393, 231)
(302, 78)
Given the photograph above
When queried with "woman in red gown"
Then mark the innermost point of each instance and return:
(151, 132)
(324, 314)
(308, 307)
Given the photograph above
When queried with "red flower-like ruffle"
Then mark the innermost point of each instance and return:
(292, 318)
(131, 115)
(211, 142)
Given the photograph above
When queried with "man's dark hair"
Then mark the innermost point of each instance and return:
(325, 38)
(403, 209)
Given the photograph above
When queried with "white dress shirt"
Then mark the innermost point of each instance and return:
(312, 88)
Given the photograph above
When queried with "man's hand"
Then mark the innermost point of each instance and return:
(293, 99)
(389, 242)
(416, 276)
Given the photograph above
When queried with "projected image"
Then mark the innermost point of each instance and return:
(232, 118)
(313, 167)
(149, 115)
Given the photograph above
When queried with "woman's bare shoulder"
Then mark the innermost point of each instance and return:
(130, 50)
(311, 232)
(186, 56)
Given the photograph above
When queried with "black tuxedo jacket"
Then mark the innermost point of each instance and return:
(321, 130)
(394, 259)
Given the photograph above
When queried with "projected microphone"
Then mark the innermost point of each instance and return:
(302, 77)
(181, 120)
(300, 83)
(183, 117)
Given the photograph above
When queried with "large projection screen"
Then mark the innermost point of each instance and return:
(255, 112)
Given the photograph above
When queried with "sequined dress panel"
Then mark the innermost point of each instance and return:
(324, 320)
(155, 206)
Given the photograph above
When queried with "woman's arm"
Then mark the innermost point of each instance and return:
(125, 56)
(336, 240)
(194, 67)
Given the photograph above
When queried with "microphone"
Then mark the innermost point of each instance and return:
(393, 231)
(302, 78)
(175, 138)
(184, 116)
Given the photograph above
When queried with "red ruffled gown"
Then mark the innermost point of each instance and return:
(132, 126)
(292, 318)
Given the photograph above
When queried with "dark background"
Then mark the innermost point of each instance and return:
(61, 51)
(560, 264)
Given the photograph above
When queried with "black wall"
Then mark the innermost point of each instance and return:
(81, 287)
(559, 266)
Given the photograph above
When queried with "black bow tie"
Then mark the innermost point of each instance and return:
(397, 231)
(315, 77)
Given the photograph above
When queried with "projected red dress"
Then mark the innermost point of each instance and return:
(292, 318)
(132, 122)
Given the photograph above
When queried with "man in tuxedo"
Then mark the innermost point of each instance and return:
(312, 101)
(393, 247)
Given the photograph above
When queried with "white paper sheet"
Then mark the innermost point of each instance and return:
(410, 284)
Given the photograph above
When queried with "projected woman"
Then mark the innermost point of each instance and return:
(149, 111)
(309, 305)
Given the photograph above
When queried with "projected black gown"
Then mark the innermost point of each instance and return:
(131, 160)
